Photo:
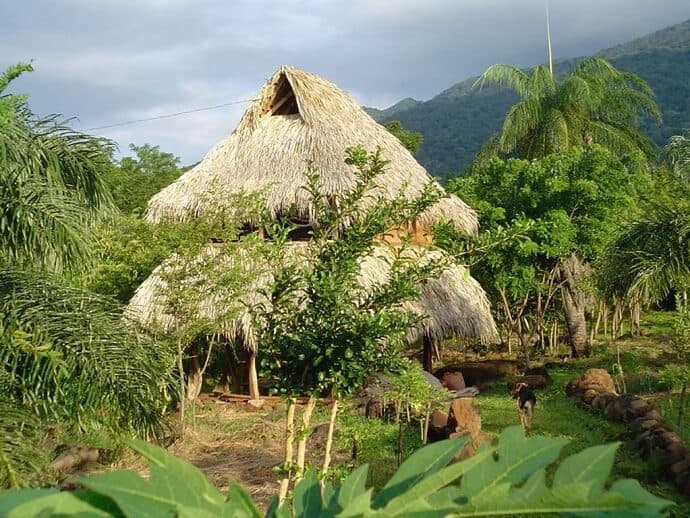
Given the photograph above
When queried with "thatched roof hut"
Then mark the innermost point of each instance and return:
(454, 304)
(296, 118)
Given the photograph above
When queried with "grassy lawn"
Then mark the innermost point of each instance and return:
(557, 415)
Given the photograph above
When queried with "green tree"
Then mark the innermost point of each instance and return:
(136, 178)
(412, 140)
(322, 331)
(67, 361)
(566, 203)
(596, 103)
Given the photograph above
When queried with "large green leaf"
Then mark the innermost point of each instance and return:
(176, 478)
(592, 465)
(64, 503)
(415, 497)
(353, 486)
(420, 464)
(516, 458)
(307, 496)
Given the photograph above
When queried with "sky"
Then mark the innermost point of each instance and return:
(108, 61)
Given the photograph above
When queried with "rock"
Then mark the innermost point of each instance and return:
(589, 395)
(464, 417)
(611, 410)
(654, 414)
(638, 425)
(256, 404)
(476, 373)
(533, 381)
(593, 379)
(438, 418)
(453, 381)
(600, 401)
(681, 466)
(374, 409)
(466, 392)
(677, 452)
(433, 381)
(539, 371)
(437, 431)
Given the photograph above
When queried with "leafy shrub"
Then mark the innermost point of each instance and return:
(507, 479)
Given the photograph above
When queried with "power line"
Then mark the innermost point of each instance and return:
(169, 115)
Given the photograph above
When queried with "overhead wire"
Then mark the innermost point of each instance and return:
(168, 115)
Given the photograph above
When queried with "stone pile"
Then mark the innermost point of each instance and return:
(653, 436)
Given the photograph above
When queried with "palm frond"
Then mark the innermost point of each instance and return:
(506, 75)
(71, 359)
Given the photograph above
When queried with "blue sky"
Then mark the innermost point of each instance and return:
(106, 61)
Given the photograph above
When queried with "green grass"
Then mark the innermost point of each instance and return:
(557, 415)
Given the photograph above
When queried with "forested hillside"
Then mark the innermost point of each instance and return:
(459, 120)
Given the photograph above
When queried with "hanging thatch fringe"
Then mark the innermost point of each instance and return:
(454, 304)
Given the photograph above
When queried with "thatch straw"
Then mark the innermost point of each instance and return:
(298, 117)
(454, 304)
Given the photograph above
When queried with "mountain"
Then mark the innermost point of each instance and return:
(459, 120)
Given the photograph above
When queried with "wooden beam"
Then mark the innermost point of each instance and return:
(285, 98)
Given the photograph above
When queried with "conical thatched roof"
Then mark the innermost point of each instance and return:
(298, 117)
(454, 304)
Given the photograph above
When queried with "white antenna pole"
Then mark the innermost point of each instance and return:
(548, 38)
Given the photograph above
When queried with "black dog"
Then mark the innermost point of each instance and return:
(526, 400)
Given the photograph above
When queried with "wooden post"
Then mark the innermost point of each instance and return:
(428, 358)
(253, 377)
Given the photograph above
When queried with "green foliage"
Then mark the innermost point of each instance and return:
(70, 368)
(536, 213)
(507, 479)
(71, 360)
(650, 256)
(410, 139)
(136, 178)
(595, 103)
(127, 250)
(677, 373)
(50, 186)
(323, 331)
(410, 388)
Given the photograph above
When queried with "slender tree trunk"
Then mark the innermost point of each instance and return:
(180, 366)
(428, 358)
(303, 435)
(425, 430)
(572, 271)
(329, 438)
(195, 378)
(289, 442)
(399, 452)
(253, 377)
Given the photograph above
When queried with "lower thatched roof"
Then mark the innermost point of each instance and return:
(454, 304)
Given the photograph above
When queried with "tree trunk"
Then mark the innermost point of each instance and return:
(303, 435)
(329, 438)
(289, 442)
(572, 271)
(195, 378)
(428, 359)
(253, 377)
(180, 366)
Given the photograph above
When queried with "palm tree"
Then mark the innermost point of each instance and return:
(67, 360)
(595, 103)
